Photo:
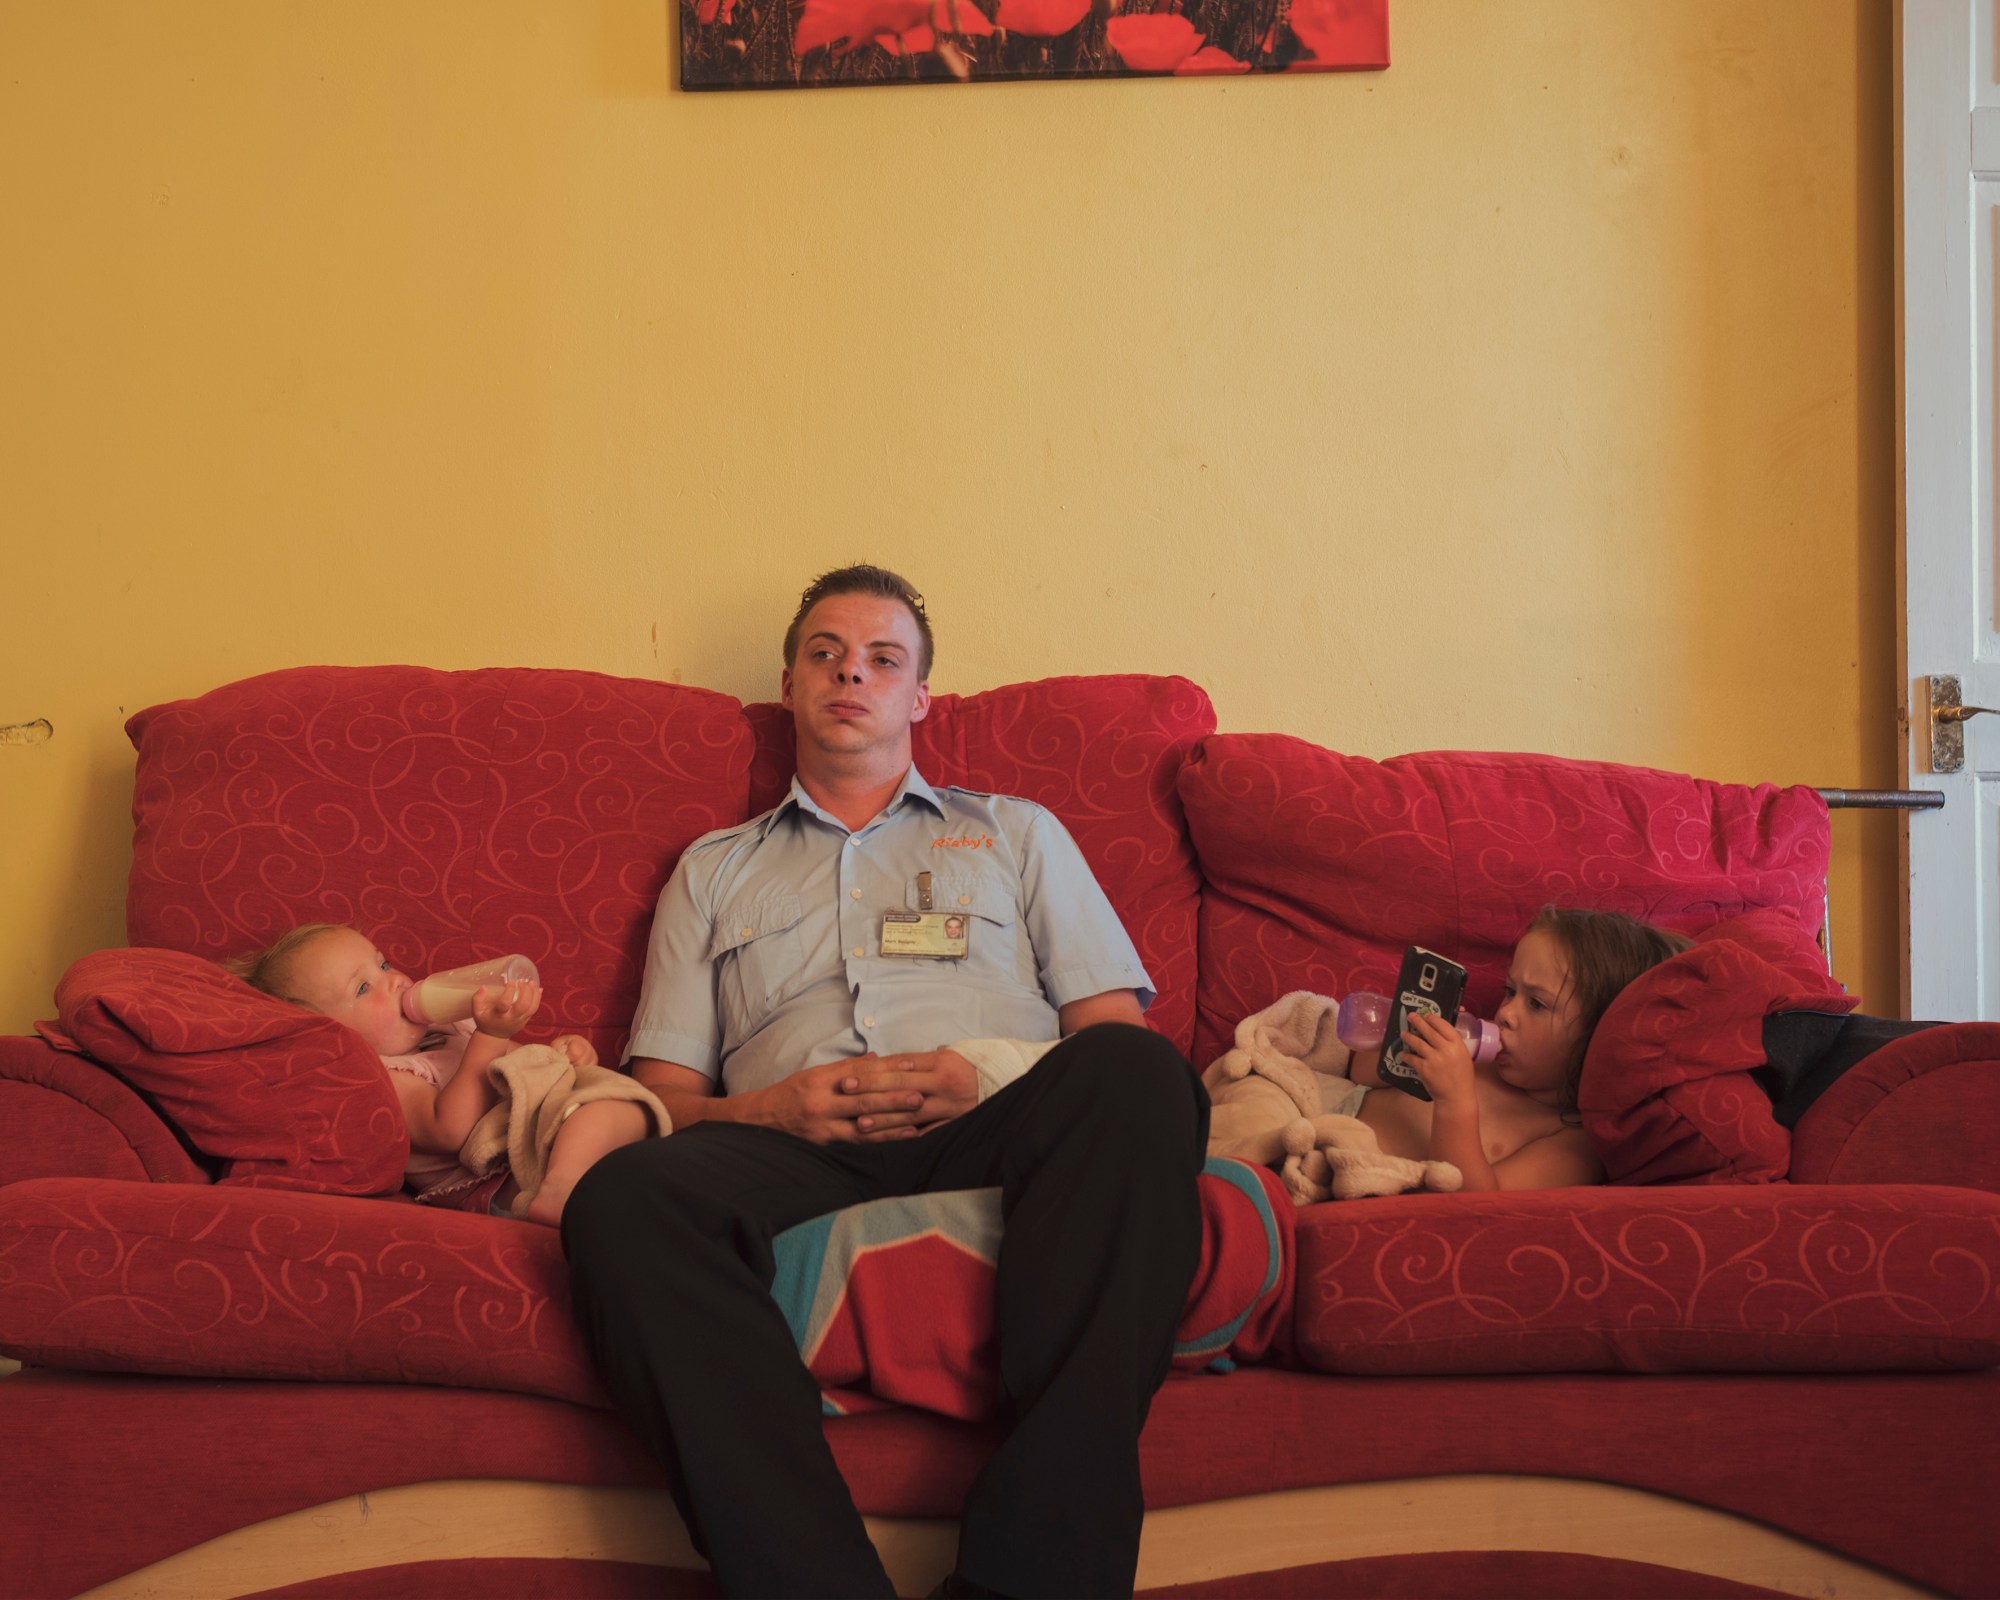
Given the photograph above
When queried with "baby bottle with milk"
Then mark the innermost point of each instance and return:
(1364, 1018)
(447, 996)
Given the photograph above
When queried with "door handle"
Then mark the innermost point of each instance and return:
(1948, 717)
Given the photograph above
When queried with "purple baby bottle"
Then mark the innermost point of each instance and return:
(447, 996)
(1364, 1019)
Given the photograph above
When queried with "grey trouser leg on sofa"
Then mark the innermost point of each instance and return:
(1095, 1152)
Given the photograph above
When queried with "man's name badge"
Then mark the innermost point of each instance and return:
(939, 934)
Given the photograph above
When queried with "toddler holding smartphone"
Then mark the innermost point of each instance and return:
(1512, 1123)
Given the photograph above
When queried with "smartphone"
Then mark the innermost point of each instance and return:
(1428, 982)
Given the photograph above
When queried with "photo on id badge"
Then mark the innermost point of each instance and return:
(939, 935)
(936, 934)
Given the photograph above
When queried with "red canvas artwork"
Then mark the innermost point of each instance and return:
(784, 44)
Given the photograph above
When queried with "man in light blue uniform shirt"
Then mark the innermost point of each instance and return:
(766, 949)
(807, 974)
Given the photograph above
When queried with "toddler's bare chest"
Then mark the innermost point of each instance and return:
(1508, 1120)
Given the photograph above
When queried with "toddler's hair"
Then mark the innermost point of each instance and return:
(270, 969)
(1606, 950)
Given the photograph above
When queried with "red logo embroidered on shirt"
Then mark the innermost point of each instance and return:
(982, 841)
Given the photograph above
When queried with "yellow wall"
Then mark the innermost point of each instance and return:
(1536, 393)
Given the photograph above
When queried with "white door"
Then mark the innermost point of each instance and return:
(1948, 272)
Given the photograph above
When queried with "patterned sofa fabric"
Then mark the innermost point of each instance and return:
(455, 815)
(66, 1116)
(438, 807)
(451, 815)
(227, 1282)
(1319, 868)
(1668, 1093)
(1743, 1278)
(276, 1095)
(889, 1301)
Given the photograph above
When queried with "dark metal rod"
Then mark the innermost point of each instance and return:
(1883, 799)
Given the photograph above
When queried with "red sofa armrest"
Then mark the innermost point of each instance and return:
(1922, 1109)
(66, 1116)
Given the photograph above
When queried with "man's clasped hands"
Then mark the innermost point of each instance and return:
(871, 1099)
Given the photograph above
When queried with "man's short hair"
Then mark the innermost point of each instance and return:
(864, 579)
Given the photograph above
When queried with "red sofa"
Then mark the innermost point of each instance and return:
(1706, 1387)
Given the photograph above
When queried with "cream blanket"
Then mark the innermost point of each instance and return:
(541, 1088)
(1275, 1101)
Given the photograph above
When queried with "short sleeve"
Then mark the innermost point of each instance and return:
(1081, 948)
(677, 1019)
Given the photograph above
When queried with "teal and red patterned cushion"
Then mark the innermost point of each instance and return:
(892, 1301)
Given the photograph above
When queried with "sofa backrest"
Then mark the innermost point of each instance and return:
(1104, 754)
(462, 814)
(455, 815)
(1320, 868)
(452, 815)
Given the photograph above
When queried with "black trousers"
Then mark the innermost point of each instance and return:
(1095, 1153)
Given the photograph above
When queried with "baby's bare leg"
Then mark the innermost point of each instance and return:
(589, 1133)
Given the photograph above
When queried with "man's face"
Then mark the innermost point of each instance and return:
(853, 687)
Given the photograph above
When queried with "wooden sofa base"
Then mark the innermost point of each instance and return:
(465, 1519)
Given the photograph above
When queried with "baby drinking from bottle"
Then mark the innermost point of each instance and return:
(440, 1072)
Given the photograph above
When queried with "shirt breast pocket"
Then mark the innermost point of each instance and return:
(988, 901)
(759, 959)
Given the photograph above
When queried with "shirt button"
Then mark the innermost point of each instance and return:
(965, 899)
(854, 894)
(855, 952)
(867, 1022)
(747, 932)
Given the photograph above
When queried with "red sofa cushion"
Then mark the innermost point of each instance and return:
(1768, 1278)
(450, 815)
(211, 1281)
(1102, 753)
(1667, 1094)
(172, 1278)
(1779, 940)
(280, 1096)
(1321, 867)
(219, 1282)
